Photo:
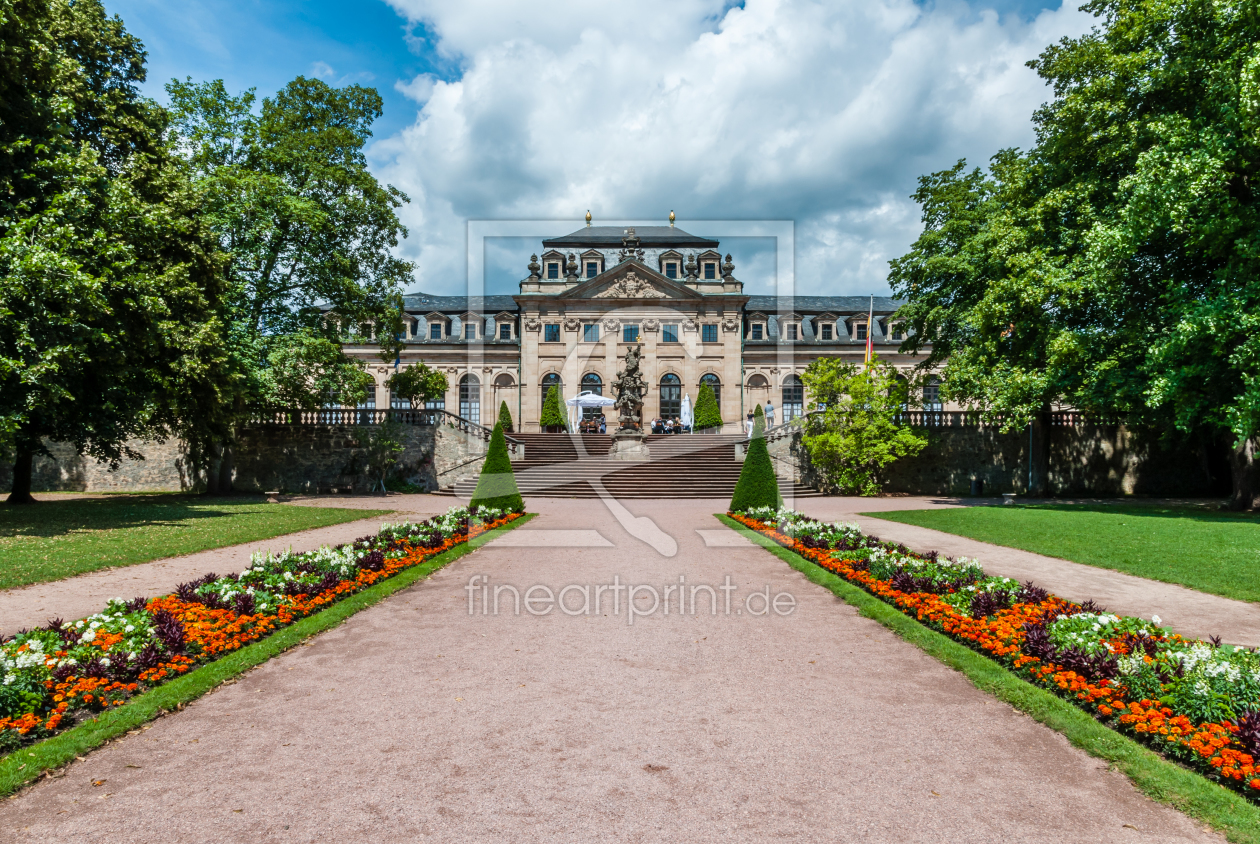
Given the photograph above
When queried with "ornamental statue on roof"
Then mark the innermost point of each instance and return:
(630, 250)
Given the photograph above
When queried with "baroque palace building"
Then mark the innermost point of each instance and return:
(595, 292)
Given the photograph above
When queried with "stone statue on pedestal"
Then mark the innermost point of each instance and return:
(630, 440)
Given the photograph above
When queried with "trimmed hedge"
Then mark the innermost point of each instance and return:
(505, 417)
(553, 415)
(759, 421)
(496, 487)
(757, 485)
(707, 414)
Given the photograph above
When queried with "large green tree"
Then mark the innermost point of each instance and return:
(110, 295)
(1114, 267)
(305, 226)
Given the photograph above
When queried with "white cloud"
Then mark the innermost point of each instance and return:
(321, 70)
(823, 113)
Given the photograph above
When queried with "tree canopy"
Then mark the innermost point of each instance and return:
(1114, 266)
(110, 292)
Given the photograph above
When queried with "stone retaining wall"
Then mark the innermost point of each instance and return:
(309, 459)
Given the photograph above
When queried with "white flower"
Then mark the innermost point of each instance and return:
(1156, 619)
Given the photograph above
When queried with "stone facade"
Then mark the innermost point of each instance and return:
(594, 292)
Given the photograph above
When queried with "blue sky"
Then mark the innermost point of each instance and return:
(823, 112)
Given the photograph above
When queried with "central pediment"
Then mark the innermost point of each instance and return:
(630, 280)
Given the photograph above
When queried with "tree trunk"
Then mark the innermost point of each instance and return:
(22, 470)
(226, 467)
(1242, 464)
(215, 458)
(1039, 456)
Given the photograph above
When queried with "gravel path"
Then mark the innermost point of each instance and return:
(1190, 613)
(76, 597)
(416, 721)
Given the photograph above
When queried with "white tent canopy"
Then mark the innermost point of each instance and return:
(585, 399)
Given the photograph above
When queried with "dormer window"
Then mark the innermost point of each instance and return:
(671, 270)
(435, 331)
(791, 331)
(553, 269)
(898, 331)
(826, 331)
(757, 331)
(470, 331)
(592, 269)
(710, 270)
(859, 330)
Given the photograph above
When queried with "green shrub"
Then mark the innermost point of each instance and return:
(505, 418)
(707, 413)
(757, 485)
(759, 421)
(496, 487)
(553, 415)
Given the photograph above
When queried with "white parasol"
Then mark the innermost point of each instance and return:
(583, 399)
(687, 418)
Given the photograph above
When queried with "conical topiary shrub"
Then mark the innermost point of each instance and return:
(505, 418)
(757, 485)
(707, 413)
(552, 413)
(759, 421)
(497, 485)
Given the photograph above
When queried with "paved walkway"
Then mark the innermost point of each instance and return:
(417, 721)
(76, 597)
(1190, 613)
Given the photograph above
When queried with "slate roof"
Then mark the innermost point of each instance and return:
(648, 236)
(419, 303)
(838, 305)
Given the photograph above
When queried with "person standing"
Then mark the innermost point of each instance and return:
(748, 425)
(769, 414)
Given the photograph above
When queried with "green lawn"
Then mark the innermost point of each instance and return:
(55, 539)
(1205, 550)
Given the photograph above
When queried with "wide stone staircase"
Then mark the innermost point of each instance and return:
(681, 466)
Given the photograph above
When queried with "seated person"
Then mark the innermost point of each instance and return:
(657, 426)
(677, 425)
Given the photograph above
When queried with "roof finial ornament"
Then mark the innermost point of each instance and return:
(588, 218)
(671, 219)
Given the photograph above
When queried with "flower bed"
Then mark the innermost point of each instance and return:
(1197, 702)
(53, 675)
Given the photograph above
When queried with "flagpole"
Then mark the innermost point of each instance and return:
(870, 331)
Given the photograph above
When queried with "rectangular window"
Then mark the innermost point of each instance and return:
(505, 331)
(861, 330)
(710, 270)
(435, 331)
(671, 270)
(629, 333)
(590, 333)
(669, 332)
(553, 271)
(791, 331)
(551, 332)
(898, 332)
(708, 333)
(397, 402)
(470, 331)
(756, 331)
(592, 269)
(826, 331)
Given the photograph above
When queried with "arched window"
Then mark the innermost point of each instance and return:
(793, 398)
(758, 382)
(503, 381)
(671, 396)
(932, 393)
(550, 380)
(592, 383)
(712, 380)
(470, 398)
